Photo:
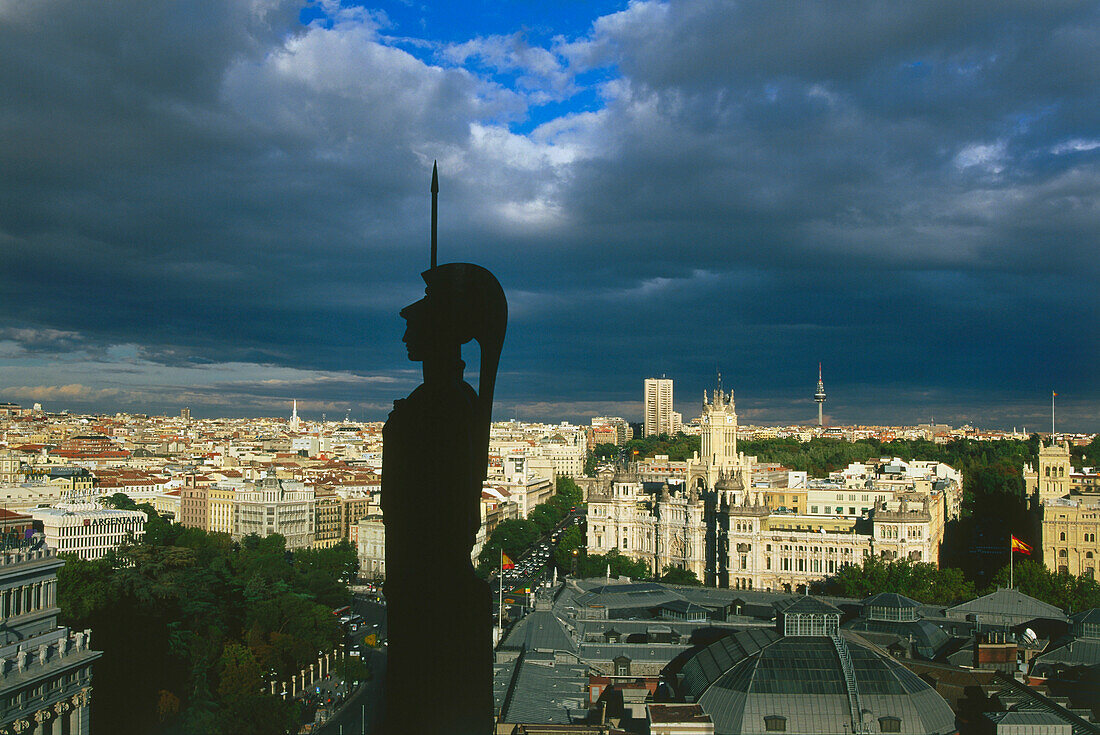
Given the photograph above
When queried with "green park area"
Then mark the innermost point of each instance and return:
(194, 627)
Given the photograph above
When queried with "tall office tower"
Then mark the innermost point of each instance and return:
(658, 406)
(819, 396)
(185, 414)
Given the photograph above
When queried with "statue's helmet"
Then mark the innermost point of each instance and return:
(469, 303)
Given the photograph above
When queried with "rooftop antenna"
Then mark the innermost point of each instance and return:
(435, 203)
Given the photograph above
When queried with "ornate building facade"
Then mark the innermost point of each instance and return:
(276, 506)
(1051, 478)
(1070, 512)
(712, 519)
(45, 669)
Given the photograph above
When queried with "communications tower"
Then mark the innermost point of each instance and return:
(819, 396)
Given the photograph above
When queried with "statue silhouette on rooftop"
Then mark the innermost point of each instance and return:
(439, 664)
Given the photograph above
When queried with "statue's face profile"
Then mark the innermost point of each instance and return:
(432, 326)
(420, 329)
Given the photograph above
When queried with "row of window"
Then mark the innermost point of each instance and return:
(1063, 554)
(19, 699)
(27, 598)
(1087, 537)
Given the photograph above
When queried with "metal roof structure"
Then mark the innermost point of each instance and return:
(639, 652)
(1006, 607)
(747, 678)
(540, 630)
(1072, 652)
(545, 691)
(1087, 616)
(1039, 721)
(1013, 695)
(927, 639)
(891, 599)
(811, 605)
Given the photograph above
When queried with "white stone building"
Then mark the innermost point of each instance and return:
(278, 506)
(371, 547)
(88, 530)
(45, 668)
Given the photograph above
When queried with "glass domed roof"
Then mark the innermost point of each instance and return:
(800, 685)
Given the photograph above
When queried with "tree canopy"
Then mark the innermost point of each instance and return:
(516, 535)
(1061, 589)
(920, 581)
(192, 626)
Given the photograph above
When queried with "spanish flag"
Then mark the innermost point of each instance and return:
(1018, 545)
(506, 562)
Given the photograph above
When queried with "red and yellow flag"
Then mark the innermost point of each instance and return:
(1018, 545)
(506, 562)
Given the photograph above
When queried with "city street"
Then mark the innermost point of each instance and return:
(361, 714)
(531, 570)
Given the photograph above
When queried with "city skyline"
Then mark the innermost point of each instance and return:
(233, 218)
(305, 425)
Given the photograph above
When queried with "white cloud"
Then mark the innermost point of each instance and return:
(60, 393)
(988, 156)
(1076, 145)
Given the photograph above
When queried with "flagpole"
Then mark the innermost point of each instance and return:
(500, 589)
(1011, 558)
(1052, 396)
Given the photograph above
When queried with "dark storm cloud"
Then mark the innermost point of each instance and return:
(908, 193)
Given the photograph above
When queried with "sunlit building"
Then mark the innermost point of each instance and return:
(658, 406)
(88, 530)
(278, 506)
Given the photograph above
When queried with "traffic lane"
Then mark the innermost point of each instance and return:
(373, 614)
(363, 711)
(531, 566)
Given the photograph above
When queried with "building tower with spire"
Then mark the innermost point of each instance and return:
(295, 422)
(819, 396)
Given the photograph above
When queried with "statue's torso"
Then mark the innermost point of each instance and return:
(431, 481)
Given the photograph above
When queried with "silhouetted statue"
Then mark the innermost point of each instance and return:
(439, 664)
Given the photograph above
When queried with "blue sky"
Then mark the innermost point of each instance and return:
(224, 205)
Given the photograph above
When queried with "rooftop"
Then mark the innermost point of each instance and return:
(1007, 603)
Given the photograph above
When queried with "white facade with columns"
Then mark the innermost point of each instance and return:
(45, 670)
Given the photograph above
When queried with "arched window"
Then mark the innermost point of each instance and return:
(1047, 472)
(1088, 554)
(1062, 536)
(1062, 553)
